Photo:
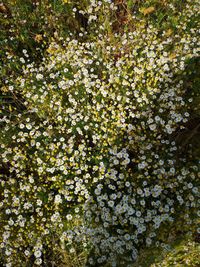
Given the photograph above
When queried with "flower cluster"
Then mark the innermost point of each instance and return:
(87, 156)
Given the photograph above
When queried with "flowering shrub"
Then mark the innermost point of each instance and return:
(87, 153)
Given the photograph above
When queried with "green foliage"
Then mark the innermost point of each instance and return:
(184, 254)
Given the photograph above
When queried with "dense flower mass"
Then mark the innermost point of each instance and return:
(88, 155)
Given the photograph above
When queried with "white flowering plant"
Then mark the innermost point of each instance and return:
(90, 162)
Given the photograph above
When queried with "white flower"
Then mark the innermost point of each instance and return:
(111, 203)
(69, 217)
(38, 261)
(58, 199)
(37, 253)
(27, 252)
(152, 127)
(39, 76)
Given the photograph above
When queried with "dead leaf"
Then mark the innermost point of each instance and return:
(10, 108)
(169, 32)
(38, 38)
(4, 89)
(3, 8)
(172, 56)
(51, 50)
(147, 11)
